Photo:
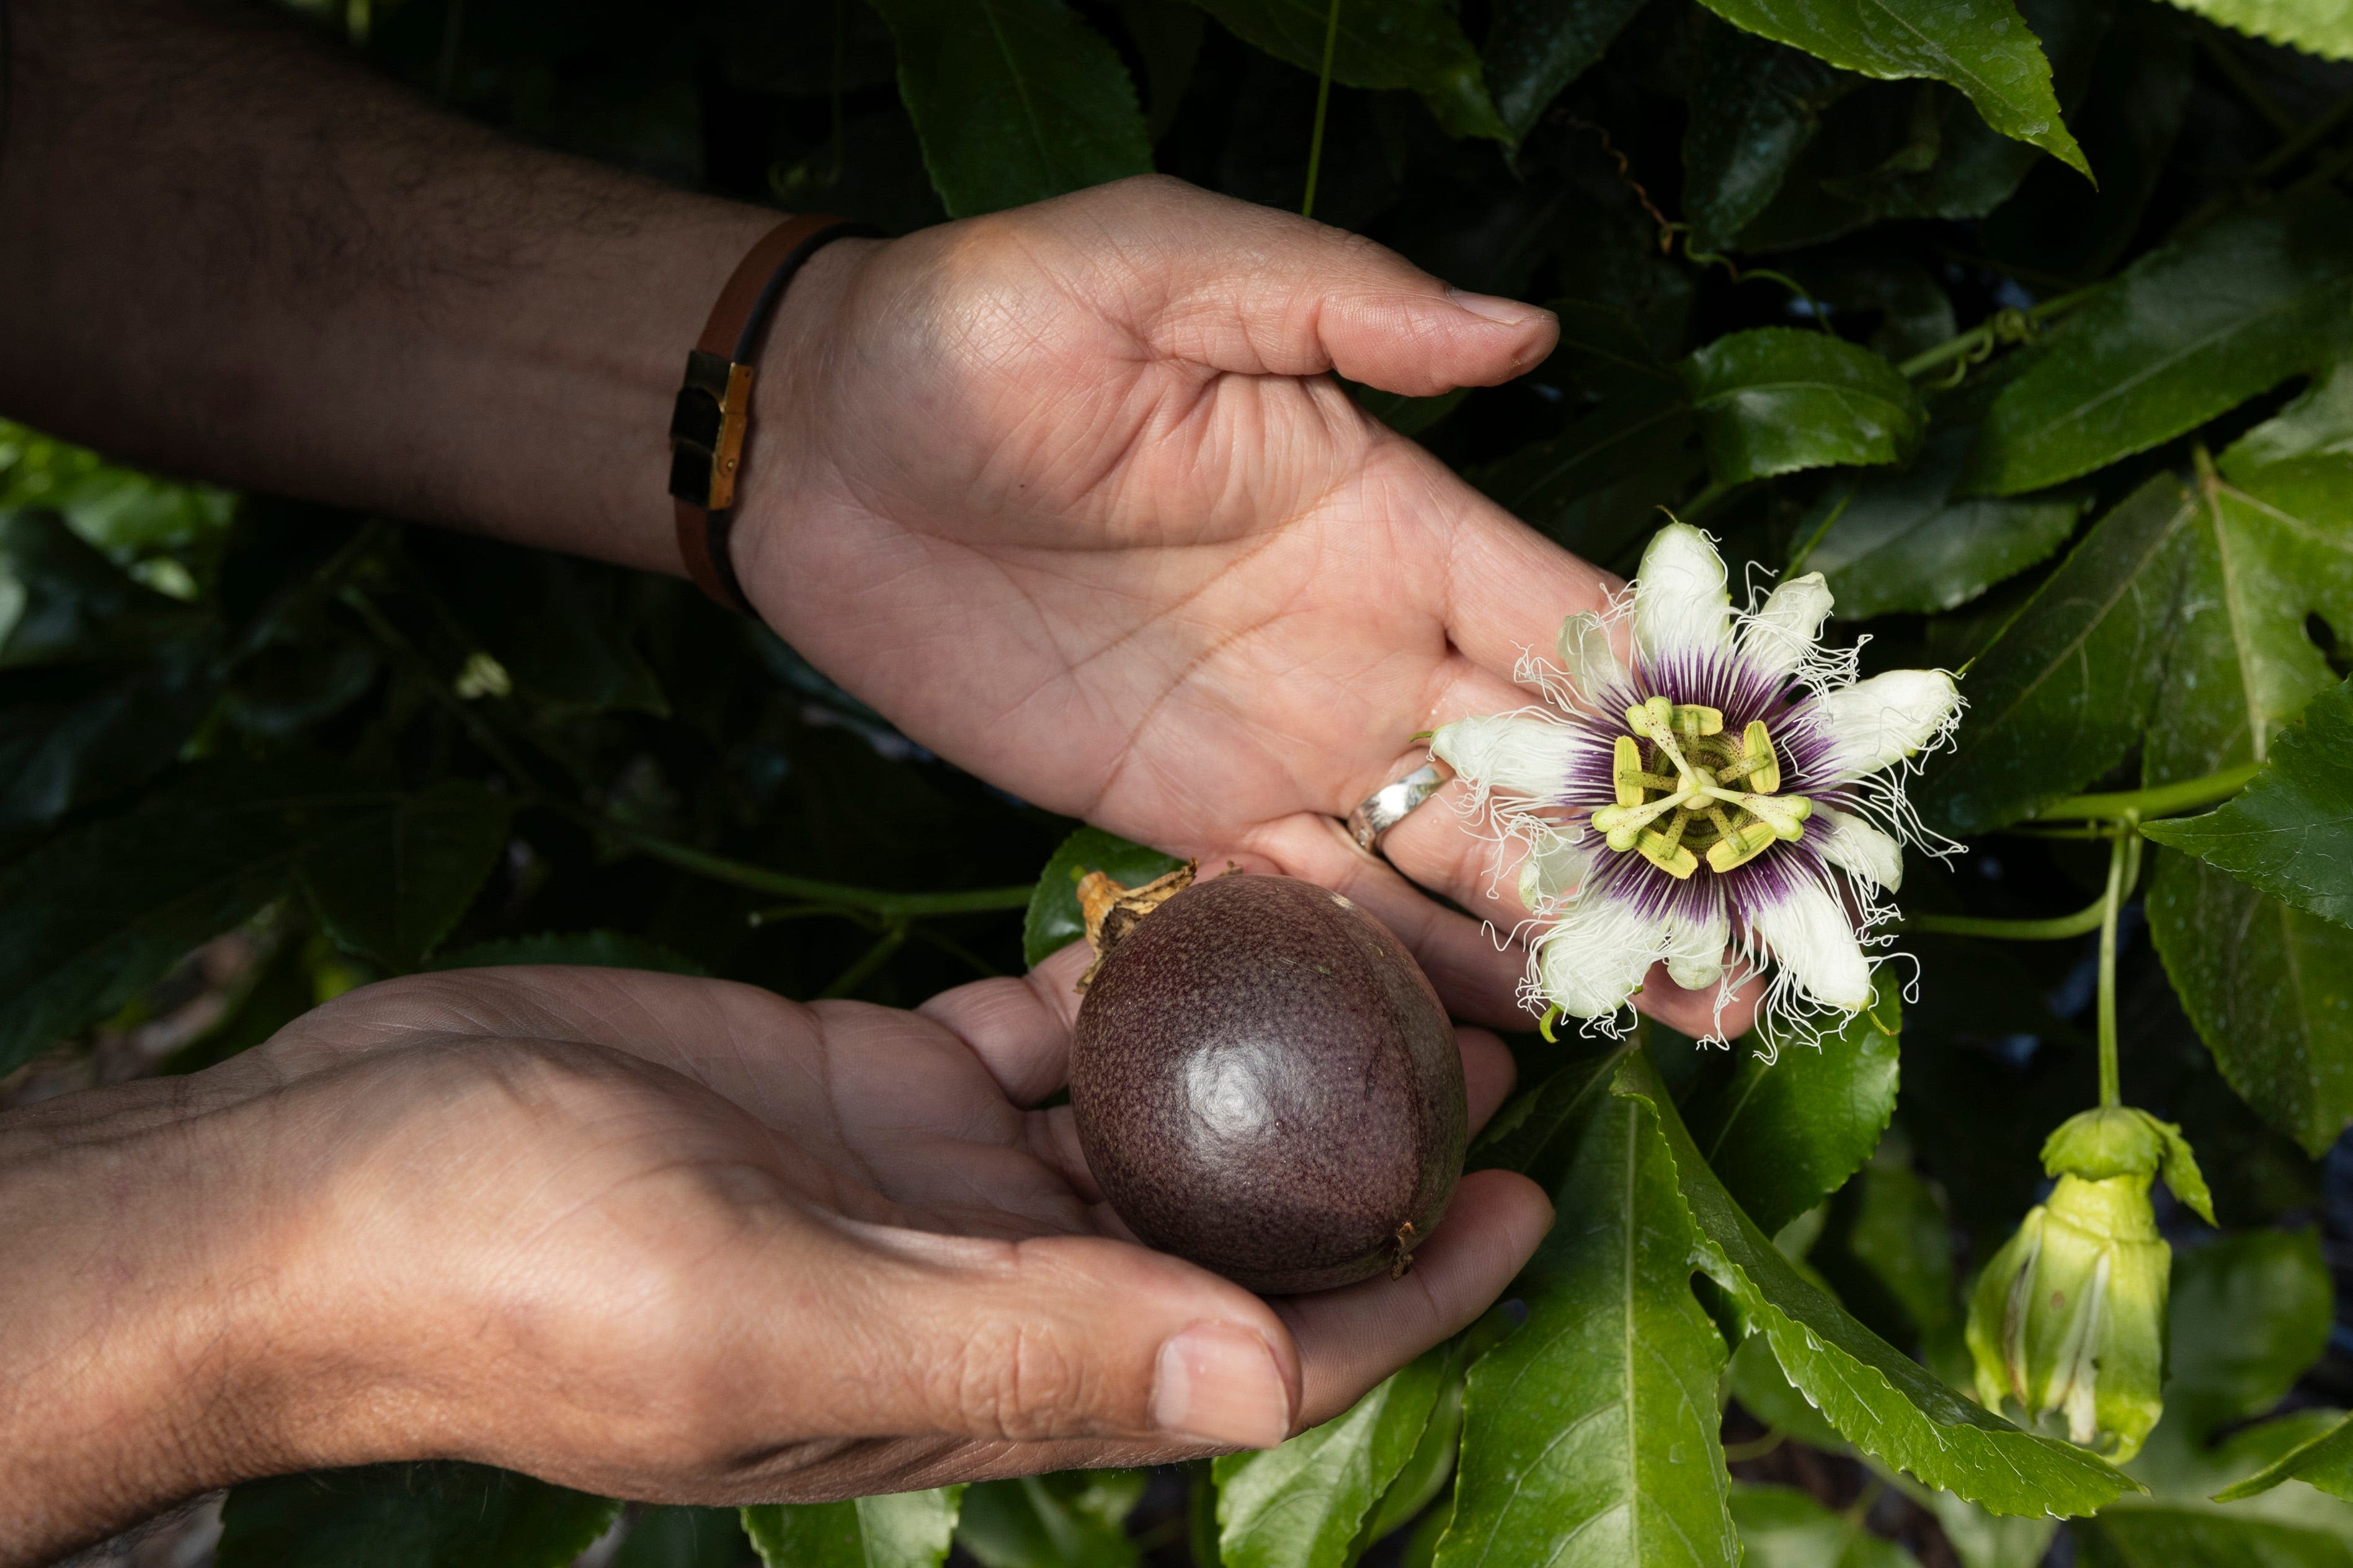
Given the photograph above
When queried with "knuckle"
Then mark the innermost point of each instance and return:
(1021, 1382)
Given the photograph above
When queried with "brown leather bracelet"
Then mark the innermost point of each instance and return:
(711, 421)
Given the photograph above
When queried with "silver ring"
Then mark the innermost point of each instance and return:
(1388, 806)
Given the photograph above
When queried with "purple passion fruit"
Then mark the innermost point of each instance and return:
(1265, 1083)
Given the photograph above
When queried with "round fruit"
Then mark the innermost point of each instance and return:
(1265, 1083)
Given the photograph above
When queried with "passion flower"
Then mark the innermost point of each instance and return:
(1735, 793)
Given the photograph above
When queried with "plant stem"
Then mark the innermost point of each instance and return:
(2304, 141)
(1983, 336)
(2055, 928)
(1323, 102)
(878, 904)
(2217, 49)
(2124, 869)
(857, 974)
(2158, 800)
(881, 902)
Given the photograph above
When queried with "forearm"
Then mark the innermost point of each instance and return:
(232, 254)
(130, 1293)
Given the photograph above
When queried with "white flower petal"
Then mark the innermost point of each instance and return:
(1695, 949)
(1516, 752)
(1808, 933)
(1594, 957)
(1851, 843)
(1556, 865)
(1776, 638)
(1680, 604)
(1586, 655)
(1884, 720)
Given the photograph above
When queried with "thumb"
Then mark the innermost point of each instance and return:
(1246, 289)
(1061, 1337)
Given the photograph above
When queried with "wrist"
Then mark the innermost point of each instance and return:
(788, 470)
(135, 1292)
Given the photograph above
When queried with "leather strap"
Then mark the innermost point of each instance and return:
(709, 426)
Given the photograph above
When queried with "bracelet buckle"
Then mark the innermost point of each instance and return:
(706, 430)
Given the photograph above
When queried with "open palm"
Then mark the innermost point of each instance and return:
(675, 1238)
(1071, 499)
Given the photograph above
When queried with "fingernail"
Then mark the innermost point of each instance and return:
(1220, 1383)
(1494, 307)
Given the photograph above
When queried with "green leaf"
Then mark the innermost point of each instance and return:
(1053, 922)
(1303, 1504)
(903, 1529)
(2058, 697)
(1408, 415)
(2187, 331)
(1552, 484)
(1016, 101)
(2290, 832)
(439, 1515)
(2269, 985)
(1755, 105)
(679, 1537)
(1756, 1380)
(1781, 1527)
(2180, 1538)
(2326, 1462)
(1430, 1467)
(1776, 399)
(1984, 50)
(1412, 44)
(1877, 1397)
(1533, 1134)
(1782, 1135)
(1075, 1520)
(73, 603)
(596, 948)
(1536, 48)
(95, 915)
(2248, 1314)
(1589, 1436)
(2323, 27)
(1903, 543)
(1897, 1232)
(390, 884)
(72, 735)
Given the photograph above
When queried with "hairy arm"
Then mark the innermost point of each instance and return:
(232, 253)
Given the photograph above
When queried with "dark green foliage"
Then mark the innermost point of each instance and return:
(1832, 284)
(409, 1516)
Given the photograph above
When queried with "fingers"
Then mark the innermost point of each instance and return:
(1245, 289)
(1054, 1338)
(1350, 1339)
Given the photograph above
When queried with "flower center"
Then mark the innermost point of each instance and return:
(1694, 790)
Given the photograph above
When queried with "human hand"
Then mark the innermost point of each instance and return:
(1066, 493)
(656, 1237)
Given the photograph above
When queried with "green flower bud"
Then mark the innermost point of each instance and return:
(2069, 1317)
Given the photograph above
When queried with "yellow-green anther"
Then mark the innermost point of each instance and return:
(1626, 770)
(2068, 1320)
(1693, 720)
(1666, 851)
(1758, 763)
(1740, 846)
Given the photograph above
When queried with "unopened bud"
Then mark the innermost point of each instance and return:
(2069, 1317)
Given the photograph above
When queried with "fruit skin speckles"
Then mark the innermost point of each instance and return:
(1265, 1084)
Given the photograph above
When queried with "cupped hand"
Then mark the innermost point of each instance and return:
(681, 1239)
(1066, 492)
